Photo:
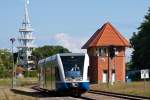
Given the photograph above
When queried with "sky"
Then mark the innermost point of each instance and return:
(70, 23)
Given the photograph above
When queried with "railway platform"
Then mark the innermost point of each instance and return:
(25, 90)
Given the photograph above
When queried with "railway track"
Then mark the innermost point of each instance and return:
(119, 95)
(97, 93)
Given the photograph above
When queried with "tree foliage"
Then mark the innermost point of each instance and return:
(140, 42)
(38, 53)
(45, 51)
(5, 63)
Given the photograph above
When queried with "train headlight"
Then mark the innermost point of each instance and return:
(79, 79)
(75, 84)
(68, 79)
(74, 80)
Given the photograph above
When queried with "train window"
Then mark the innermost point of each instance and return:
(57, 73)
(73, 65)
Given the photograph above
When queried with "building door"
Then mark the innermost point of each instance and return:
(105, 76)
(113, 77)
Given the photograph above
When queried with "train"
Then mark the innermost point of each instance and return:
(65, 73)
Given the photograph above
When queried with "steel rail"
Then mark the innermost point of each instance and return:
(120, 95)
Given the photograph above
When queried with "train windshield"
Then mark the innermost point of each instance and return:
(73, 66)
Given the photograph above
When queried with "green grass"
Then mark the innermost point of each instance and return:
(133, 88)
(20, 82)
(5, 82)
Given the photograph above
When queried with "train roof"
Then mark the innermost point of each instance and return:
(71, 54)
(60, 54)
(46, 59)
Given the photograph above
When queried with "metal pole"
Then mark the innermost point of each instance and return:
(13, 65)
(51, 78)
(109, 71)
(108, 68)
(144, 84)
(115, 68)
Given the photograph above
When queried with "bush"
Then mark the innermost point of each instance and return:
(4, 73)
(32, 73)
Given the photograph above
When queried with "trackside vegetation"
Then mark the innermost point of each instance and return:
(38, 53)
(132, 88)
(140, 43)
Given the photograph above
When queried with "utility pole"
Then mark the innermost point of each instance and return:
(13, 64)
(111, 55)
(108, 68)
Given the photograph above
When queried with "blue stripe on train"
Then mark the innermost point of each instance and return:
(66, 86)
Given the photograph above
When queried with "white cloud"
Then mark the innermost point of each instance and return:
(73, 43)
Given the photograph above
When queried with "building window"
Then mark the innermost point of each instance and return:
(102, 52)
(117, 51)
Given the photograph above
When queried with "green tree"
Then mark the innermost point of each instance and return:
(5, 63)
(129, 65)
(45, 51)
(140, 42)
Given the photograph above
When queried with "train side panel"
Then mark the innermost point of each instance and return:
(41, 74)
(47, 77)
(50, 78)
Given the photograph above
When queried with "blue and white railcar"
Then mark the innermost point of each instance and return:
(66, 72)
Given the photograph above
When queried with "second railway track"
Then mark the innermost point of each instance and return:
(119, 95)
(95, 95)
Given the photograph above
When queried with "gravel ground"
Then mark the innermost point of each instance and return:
(7, 94)
(86, 96)
(60, 98)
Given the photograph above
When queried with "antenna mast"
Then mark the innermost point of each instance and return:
(25, 39)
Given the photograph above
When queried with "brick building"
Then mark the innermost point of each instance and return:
(103, 67)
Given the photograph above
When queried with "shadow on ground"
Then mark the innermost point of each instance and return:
(41, 93)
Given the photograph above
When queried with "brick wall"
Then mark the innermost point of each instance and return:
(99, 64)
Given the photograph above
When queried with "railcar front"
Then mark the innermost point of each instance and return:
(74, 68)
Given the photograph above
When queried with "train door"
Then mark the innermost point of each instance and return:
(105, 77)
(50, 75)
(41, 75)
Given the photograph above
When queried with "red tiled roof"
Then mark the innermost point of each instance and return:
(105, 36)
